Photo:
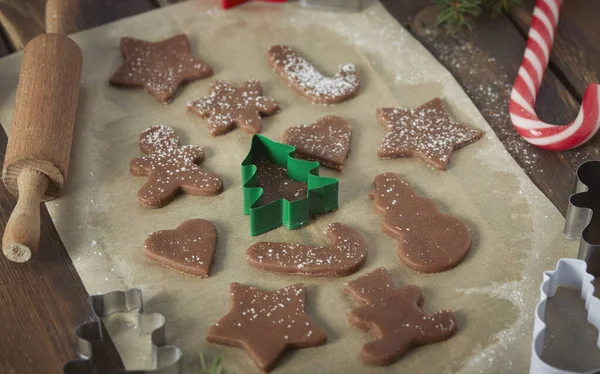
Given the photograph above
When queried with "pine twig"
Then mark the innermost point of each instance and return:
(499, 6)
(214, 368)
(456, 14)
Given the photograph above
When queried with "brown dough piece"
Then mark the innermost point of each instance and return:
(189, 249)
(171, 168)
(394, 317)
(429, 242)
(227, 107)
(326, 141)
(426, 132)
(275, 183)
(159, 67)
(305, 79)
(345, 254)
(265, 323)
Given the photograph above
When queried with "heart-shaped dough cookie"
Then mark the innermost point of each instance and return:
(189, 249)
(326, 141)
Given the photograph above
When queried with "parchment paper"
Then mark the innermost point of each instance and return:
(516, 230)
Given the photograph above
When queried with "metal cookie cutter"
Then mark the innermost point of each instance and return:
(322, 192)
(571, 273)
(166, 358)
(583, 215)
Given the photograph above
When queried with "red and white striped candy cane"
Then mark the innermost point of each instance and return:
(527, 84)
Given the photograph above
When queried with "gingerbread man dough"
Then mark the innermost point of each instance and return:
(171, 168)
(394, 317)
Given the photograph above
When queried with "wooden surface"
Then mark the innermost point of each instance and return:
(45, 297)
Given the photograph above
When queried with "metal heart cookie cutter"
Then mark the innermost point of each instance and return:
(321, 197)
(166, 358)
(583, 215)
(570, 273)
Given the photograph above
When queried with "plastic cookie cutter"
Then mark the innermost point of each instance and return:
(166, 358)
(583, 215)
(322, 192)
(570, 273)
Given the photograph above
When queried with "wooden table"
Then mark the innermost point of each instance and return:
(43, 300)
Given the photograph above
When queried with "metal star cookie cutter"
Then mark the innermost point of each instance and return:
(583, 215)
(571, 273)
(166, 358)
(322, 192)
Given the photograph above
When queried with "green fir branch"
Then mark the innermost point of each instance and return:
(457, 14)
(499, 6)
(214, 368)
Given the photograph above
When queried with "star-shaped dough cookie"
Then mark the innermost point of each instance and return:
(266, 323)
(426, 132)
(159, 67)
(227, 107)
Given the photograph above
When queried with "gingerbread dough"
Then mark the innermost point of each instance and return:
(265, 323)
(426, 132)
(190, 248)
(171, 168)
(326, 141)
(429, 241)
(394, 317)
(159, 67)
(303, 77)
(275, 183)
(227, 107)
(345, 254)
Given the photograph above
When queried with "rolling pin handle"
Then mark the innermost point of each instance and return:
(22, 233)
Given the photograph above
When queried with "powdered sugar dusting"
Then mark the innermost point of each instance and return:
(326, 141)
(345, 254)
(273, 179)
(304, 77)
(426, 132)
(261, 319)
(160, 67)
(170, 167)
(227, 107)
(189, 248)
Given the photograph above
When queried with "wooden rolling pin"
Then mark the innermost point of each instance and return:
(41, 132)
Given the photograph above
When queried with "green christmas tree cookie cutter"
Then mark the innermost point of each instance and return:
(322, 192)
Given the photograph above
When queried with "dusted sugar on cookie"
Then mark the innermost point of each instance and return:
(227, 107)
(345, 254)
(426, 132)
(189, 248)
(273, 179)
(326, 141)
(171, 168)
(394, 317)
(303, 77)
(159, 67)
(429, 241)
(266, 324)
